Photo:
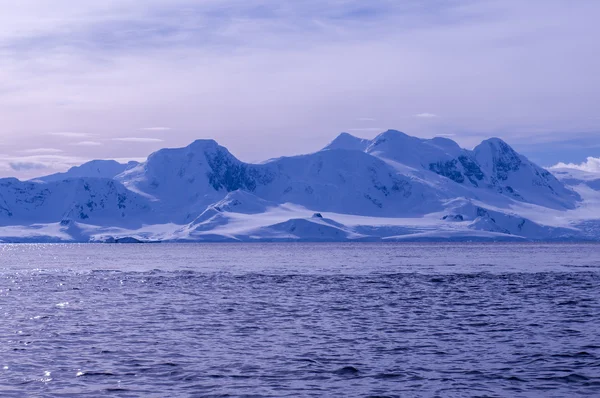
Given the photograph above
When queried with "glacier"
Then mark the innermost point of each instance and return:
(394, 187)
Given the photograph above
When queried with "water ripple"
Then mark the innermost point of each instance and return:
(180, 332)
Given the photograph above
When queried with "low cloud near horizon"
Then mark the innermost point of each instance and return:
(137, 139)
(36, 164)
(591, 165)
(278, 78)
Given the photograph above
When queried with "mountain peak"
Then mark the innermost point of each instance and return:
(496, 143)
(446, 143)
(203, 144)
(392, 136)
(496, 149)
(497, 158)
(202, 191)
(196, 147)
(349, 142)
(393, 133)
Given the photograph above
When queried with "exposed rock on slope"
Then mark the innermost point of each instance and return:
(392, 187)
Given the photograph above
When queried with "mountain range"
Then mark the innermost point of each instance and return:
(392, 188)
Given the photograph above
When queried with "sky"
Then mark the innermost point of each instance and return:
(120, 79)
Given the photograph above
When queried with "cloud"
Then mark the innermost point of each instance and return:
(30, 165)
(591, 165)
(42, 150)
(367, 129)
(156, 128)
(69, 134)
(24, 166)
(365, 119)
(223, 64)
(87, 143)
(138, 139)
(426, 115)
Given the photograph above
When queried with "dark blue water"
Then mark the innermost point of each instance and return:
(410, 320)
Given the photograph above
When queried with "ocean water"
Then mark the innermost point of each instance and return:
(322, 320)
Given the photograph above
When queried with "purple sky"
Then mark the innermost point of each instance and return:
(121, 78)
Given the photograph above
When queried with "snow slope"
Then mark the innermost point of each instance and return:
(184, 181)
(100, 201)
(574, 177)
(493, 166)
(93, 169)
(394, 187)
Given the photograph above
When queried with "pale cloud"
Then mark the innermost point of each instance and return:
(261, 71)
(426, 115)
(378, 129)
(42, 150)
(138, 139)
(26, 166)
(30, 166)
(156, 128)
(87, 143)
(591, 165)
(68, 134)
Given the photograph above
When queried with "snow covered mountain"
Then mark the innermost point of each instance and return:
(394, 187)
(95, 168)
(578, 177)
(60, 205)
(492, 166)
(184, 181)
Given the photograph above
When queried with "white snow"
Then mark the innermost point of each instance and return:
(95, 168)
(394, 187)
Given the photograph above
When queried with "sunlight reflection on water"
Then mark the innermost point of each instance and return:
(300, 319)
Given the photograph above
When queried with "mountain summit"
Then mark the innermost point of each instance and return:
(393, 187)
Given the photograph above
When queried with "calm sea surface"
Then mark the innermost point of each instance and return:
(277, 320)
